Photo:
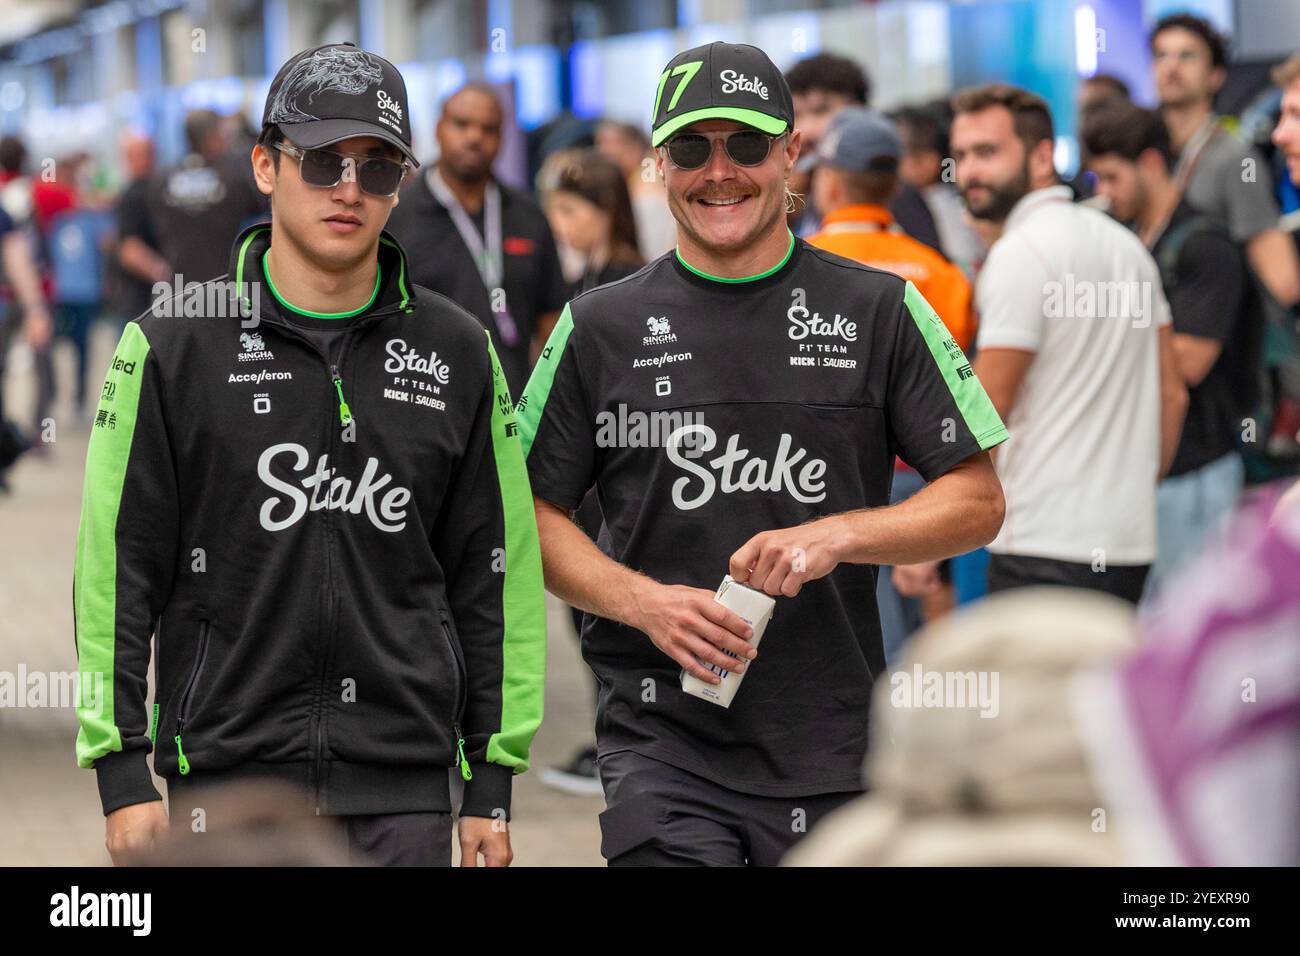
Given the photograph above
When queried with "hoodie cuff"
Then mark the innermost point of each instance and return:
(124, 779)
(488, 793)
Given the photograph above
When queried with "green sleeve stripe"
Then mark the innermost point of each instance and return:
(95, 571)
(523, 602)
(539, 384)
(972, 401)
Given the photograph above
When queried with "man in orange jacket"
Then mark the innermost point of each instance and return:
(857, 172)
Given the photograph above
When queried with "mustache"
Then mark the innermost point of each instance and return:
(720, 194)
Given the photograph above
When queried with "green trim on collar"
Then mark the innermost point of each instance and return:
(401, 270)
(270, 284)
(762, 275)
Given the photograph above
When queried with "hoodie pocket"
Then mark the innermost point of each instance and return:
(187, 695)
(462, 696)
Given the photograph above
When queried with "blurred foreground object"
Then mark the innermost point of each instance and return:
(975, 756)
(1196, 736)
(263, 824)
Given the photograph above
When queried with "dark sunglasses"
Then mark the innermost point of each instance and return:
(746, 147)
(325, 168)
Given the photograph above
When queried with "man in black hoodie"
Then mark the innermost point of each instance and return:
(305, 478)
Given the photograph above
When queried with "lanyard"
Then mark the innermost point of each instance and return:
(1191, 154)
(487, 255)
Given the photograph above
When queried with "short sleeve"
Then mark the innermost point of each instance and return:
(556, 421)
(1207, 295)
(133, 216)
(1010, 297)
(1249, 185)
(938, 412)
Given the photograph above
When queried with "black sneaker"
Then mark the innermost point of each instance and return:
(12, 444)
(578, 777)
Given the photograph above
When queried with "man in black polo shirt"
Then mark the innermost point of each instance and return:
(1216, 345)
(197, 207)
(479, 242)
(786, 378)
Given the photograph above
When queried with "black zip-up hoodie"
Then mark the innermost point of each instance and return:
(339, 559)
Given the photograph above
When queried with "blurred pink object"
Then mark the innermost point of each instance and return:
(1195, 736)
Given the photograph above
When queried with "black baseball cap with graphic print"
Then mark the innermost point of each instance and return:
(338, 91)
(733, 81)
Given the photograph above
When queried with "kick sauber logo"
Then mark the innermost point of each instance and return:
(254, 349)
(661, 331)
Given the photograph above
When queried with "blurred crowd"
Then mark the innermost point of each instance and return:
(1211, 203)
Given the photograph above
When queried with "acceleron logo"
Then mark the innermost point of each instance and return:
(128, 910)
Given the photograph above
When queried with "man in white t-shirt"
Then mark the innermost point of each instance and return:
(1075, 350)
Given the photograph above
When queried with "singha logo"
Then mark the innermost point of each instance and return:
(661, 331)
(254, 349)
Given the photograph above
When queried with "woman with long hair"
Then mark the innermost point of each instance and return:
(590, 212)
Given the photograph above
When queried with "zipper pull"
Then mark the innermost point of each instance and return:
(345, 413)
(460, 754)
(184, 763)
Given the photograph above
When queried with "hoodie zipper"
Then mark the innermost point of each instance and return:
(345, 413)
(461, 700)
(331, 604)
(317, 734)
(187, 694)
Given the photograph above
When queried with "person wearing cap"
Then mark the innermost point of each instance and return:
(821, 85)
(480, 242)
(305, 479)
(775, 382)
(855, 174)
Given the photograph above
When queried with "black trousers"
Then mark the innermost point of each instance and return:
(399, 839)
(659, 815)
(1007, 571)
(381, 839)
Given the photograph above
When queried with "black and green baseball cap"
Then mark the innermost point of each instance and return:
(733, 81)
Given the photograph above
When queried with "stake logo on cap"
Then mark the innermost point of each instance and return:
(732, 81)
(338, 91)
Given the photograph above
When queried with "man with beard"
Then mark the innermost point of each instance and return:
(485, 246)
(1075, 349)
(1189, 58)
(787, 378)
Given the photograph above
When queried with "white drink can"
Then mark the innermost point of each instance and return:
(755, 608)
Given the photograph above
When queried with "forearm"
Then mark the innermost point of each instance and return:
(21, 271)
(958, 512)
(141, 261)
(578, 573)
(1273, 257)
(1173, 408)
